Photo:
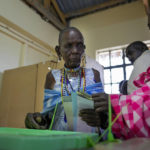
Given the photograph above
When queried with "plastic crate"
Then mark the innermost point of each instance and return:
(33, 139)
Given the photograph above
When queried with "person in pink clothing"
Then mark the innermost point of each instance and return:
(133, 110)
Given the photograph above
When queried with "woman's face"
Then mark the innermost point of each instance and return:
(72, 48)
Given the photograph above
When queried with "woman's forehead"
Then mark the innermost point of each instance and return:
(71, 35)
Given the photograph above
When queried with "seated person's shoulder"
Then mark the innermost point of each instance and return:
(90, 71)
(52, 73)
(50, 80)
(96, 75)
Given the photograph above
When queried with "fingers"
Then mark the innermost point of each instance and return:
(33, 120)
(101, 109)
(90, 117)
(94, 121)
(30, 122)
(100, 102)
(98, 95)
(101, 106)
(93, 124)
(44, 127)
(99, 99)
(87, 111)
(38, 119)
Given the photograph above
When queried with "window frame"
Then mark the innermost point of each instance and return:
(110, 67)
(124, 65)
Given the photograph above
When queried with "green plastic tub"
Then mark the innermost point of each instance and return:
(33, 139)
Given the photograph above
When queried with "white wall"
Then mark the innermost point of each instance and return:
(113, 27)
(33, 57)
(9, 52)
(20, 14)
(14, 50)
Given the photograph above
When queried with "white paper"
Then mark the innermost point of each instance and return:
(74, 121)
(84, 103)
(67, 102)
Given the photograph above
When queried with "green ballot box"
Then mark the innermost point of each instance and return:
(33, 139)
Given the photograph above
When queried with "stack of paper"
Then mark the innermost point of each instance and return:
(72, 105)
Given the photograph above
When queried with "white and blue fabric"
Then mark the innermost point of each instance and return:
(52, 97)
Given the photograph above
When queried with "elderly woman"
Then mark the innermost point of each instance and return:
(62, 82)
(133, 110)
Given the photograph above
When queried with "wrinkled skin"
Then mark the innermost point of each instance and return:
(90, 117)
(36, 121)
(97, 117)
(100, 102)
(71, 48)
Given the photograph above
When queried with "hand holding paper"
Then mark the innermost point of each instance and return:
(90, 117)
(72, 105)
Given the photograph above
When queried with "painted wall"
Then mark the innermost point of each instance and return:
(9, 52)
(20, 14)
(34, 56)
(14, 50)
(116, 26)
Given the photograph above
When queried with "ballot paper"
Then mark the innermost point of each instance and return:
(67, 102)
(72, 105)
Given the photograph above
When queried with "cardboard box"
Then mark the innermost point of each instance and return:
(23, 92)
(1, 77)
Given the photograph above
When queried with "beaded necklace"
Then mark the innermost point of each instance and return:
(65, 80)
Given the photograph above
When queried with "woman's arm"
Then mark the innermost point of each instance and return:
(50, 81)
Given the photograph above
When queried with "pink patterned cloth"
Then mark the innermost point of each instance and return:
(134, 120)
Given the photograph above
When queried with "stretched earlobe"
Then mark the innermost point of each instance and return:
(57, 49)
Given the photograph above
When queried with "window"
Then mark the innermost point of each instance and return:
(116, 68)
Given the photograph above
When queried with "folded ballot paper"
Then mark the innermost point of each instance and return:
(72, 105)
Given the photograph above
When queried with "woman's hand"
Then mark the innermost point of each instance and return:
(36, 121)
(97, 117)
(100, 102)
(90, 117)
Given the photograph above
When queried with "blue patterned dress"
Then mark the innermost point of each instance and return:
(51, 97)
